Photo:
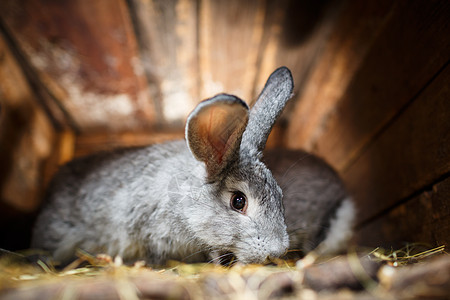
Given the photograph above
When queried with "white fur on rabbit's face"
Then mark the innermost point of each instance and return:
(253, 236)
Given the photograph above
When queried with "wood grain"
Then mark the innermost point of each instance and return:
(351, 38)
(422, 219)
(89, 143)
(26, 138)
(85, 52)
(230, 34)
(410, 50)
(410, 155)
(168, 39)
(295, 33)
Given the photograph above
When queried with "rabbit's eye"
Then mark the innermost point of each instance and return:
(238, 202)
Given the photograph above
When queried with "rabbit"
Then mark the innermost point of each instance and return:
(191, 200)
(319, 212)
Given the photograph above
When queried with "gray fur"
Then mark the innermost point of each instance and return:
(172, 201)
(270, 104)
(319, 213)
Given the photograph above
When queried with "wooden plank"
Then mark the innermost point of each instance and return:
(357, 27)
(423, 219)
(230, 34)
(408, 156)
(58, 116)
(270, 45)
(86, 54)
(89, 143)
(26, 139)
(411, 49)
(168, 39)
(295, 33)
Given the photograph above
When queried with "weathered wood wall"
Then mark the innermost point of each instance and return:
(26, 141)
(371, 92)
(378, 109)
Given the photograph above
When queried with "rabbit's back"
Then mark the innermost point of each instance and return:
(313, 195)
(95, 202)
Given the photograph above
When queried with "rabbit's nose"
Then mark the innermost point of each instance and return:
(277, 253)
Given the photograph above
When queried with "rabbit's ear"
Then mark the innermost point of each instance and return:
(270, 103)
(214, 131)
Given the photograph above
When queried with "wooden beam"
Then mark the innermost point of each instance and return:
(168, 39)
(89, 143)
(295, 35)
(26, 139)
(422, 219)
(86, 54)
(412, 153)
(358, 25)
(412, 48)
(230, 34)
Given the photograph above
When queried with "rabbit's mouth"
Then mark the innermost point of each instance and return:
(227, 258)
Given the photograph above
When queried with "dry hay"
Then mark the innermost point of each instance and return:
(402, 274)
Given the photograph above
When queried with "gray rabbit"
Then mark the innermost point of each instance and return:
(200, 199)
(190, 200)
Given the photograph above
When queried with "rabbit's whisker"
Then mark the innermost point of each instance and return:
(295, 163)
